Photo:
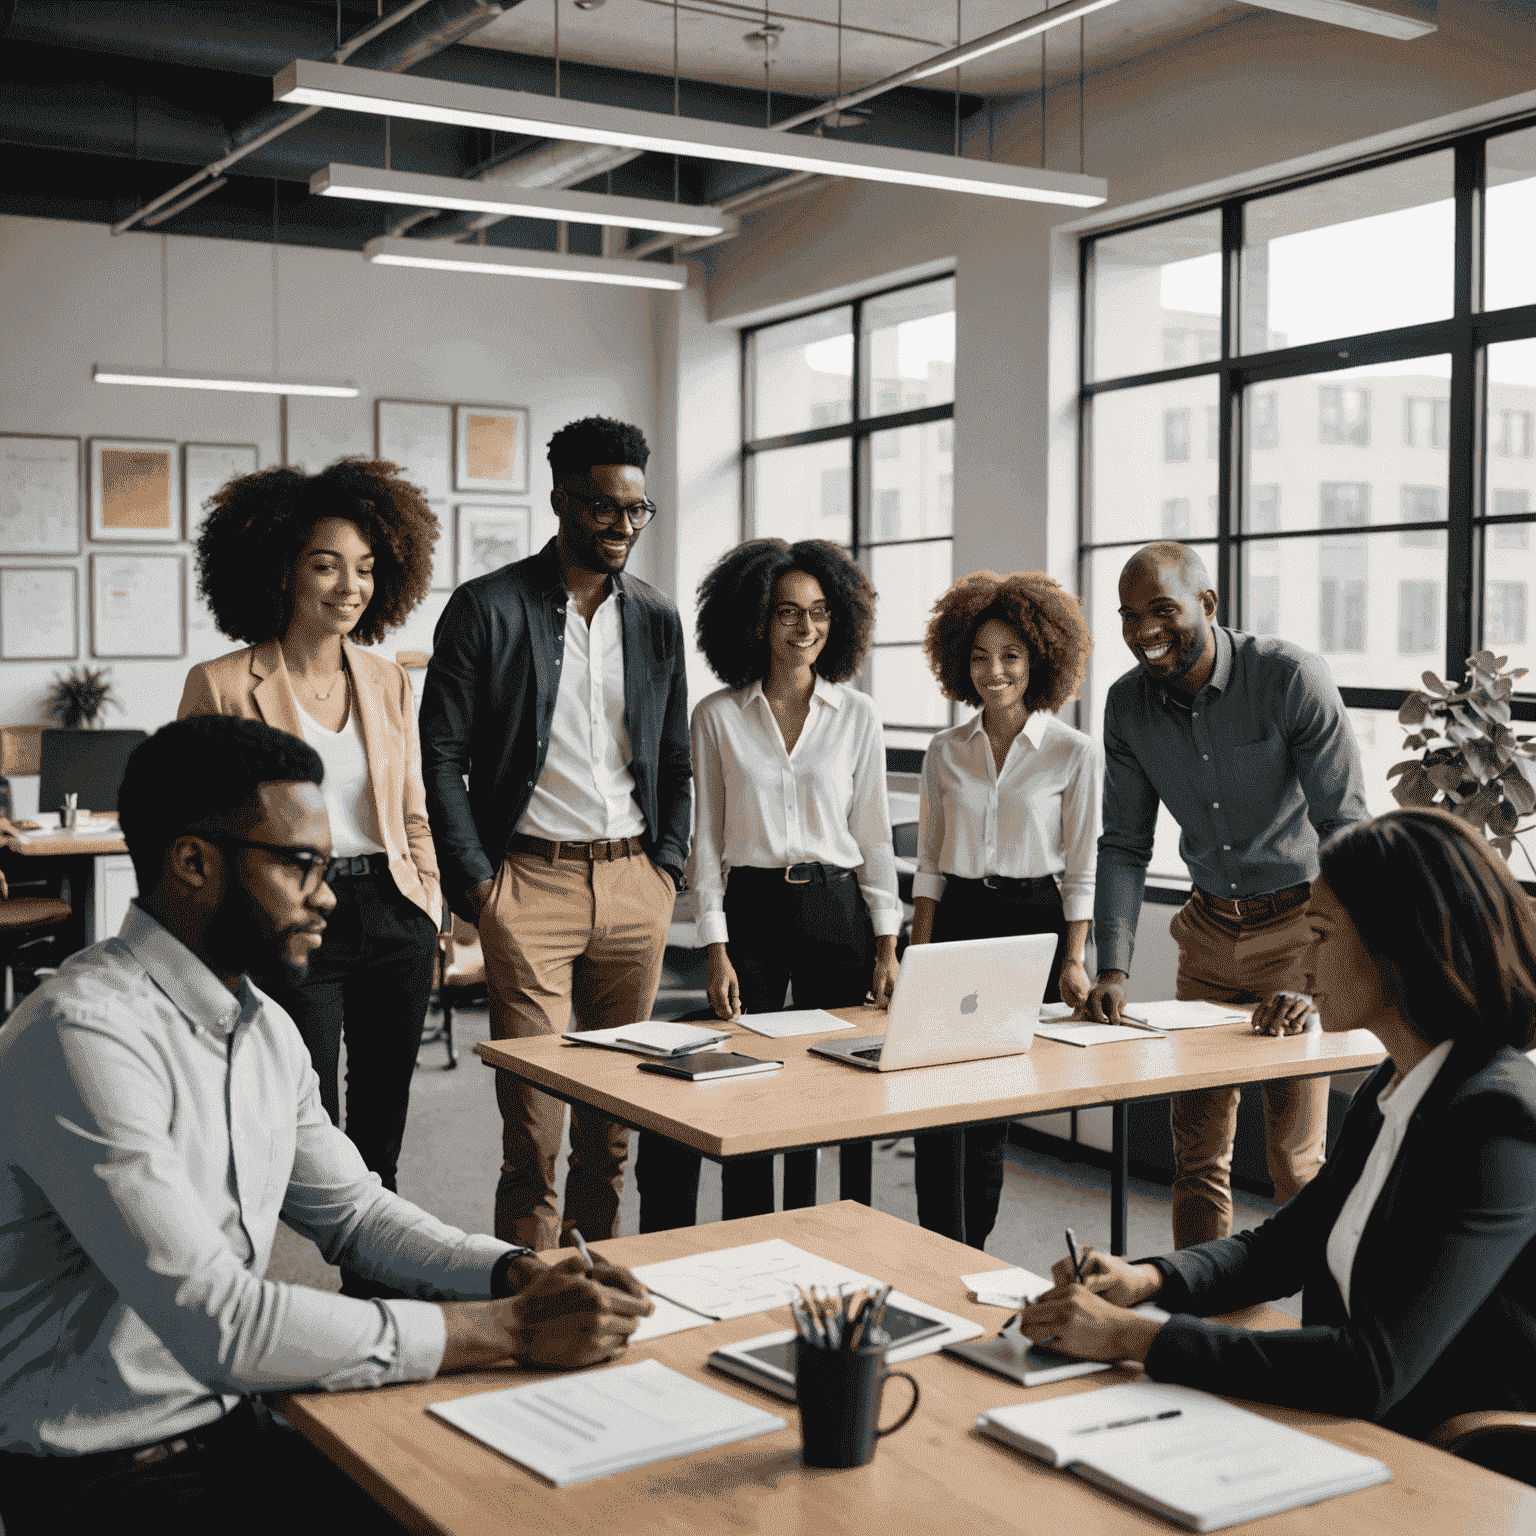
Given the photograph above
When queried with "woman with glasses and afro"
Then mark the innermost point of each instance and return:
(306, 570)
(792, 865)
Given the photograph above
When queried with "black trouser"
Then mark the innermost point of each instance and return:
(814, 936)
(971, 909)
(370, 980)
(236, 1477)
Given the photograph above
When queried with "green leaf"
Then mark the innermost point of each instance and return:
(1415, 709)
(1504, 845)
(1446, 777)
(1503, 819)
(1402, 767)
(1414, 789)
(1434, 685)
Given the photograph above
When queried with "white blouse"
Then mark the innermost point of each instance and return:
(347, 789)
(1397, 1106)
(757, 805)
(1039, 816)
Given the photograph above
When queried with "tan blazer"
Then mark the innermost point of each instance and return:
(254, 685)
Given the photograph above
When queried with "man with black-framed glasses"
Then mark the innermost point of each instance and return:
(158, 1112)
(554, 743)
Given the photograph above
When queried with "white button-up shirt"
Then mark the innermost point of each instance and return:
(1039, 816)
(757, 805)
(586, 789)
(153, 1125)
(1397, 1106)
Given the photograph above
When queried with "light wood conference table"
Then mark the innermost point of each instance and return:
(815, 1102)
(71, 855)
(937, 1474)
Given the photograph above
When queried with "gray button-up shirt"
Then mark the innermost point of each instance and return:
(1260, 769)
(152, 1127)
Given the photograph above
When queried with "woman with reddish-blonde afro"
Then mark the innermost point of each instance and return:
(1009, 819)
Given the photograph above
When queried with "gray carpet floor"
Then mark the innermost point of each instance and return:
(449, 1163)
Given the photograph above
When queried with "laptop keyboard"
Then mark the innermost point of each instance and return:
(872, 1054)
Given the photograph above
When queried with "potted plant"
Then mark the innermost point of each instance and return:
(1472, 763)
(80, 698)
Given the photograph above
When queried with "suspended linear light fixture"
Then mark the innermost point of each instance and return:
(439, 256)
(437, 101)
(370, 184)
(239, 383)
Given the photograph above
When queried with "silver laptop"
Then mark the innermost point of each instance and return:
(957, 1002)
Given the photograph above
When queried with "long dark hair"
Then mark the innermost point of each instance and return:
(1447, 924)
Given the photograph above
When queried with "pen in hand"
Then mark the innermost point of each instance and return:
(1077, 1258)
(581, 1247)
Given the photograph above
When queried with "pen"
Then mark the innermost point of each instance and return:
(1133, 1022)
(1077, 1258)
(1145, 1418)
(581, 1248)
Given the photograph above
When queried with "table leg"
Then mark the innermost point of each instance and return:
(1119, 1178)
(957, 1185)
(800, 1179)
(855, 1171)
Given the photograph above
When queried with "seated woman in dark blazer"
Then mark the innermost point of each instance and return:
(1416, 1244)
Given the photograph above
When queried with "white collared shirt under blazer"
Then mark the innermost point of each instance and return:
(1039, 816)
(760, 806)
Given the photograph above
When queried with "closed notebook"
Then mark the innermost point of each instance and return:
(1191, 1457)
(570, 1429)
(657, 1037)
(706, 1066)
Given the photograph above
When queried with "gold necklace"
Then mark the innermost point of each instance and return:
(324, 698)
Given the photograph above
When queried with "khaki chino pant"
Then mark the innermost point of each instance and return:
(560, 937)
(1234, 960)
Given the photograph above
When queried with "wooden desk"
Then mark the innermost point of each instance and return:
(71, 856)
(815, 1102)
(939, 1474)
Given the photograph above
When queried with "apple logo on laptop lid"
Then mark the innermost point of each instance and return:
(970, 1004)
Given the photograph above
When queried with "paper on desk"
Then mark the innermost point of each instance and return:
(737, 1282)
(667, 1318)
(802, 1021)
(1084, 1032)
(1009, 1288)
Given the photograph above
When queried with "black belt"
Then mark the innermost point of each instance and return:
(1270, 904)
(796, 874)
(239, 1420)
(1017, 885)
(363, 864)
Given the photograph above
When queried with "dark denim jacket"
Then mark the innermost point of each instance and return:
(490, 697)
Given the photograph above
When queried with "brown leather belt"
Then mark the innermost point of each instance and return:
(1271, 904)
(582, 853)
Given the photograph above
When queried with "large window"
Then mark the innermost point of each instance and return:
(1374, 483)
(850, 436)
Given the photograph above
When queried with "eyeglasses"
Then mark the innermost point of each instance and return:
(606, 512)
(788, 614)
(315, 868)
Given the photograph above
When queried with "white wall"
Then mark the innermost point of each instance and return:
(72, 295)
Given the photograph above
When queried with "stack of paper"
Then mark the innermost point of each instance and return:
(802, 1021)
(659, 1037)
(1185, 1454)
(574, 1428)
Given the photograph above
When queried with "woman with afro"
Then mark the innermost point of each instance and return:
(792, 864)
(1009, 819)
(306, 569)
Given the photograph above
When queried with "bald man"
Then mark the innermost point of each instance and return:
(1244, 738)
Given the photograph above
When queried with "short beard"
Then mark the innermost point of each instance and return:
(1192, 653)
(240, 938)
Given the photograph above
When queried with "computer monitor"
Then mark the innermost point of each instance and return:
(89, 763)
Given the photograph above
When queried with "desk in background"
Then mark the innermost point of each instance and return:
(814, 1102)
(99, 872)
(938, 1474)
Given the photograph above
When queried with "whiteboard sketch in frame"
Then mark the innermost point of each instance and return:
(487, 537)
(39, 494)
(39, 613)
(206, 468)
(138, 606)
(135, 491)
(490, 448)
(418, 436)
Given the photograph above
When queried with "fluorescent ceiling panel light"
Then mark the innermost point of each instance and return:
(371, 185)
(472, 106)
(440, 256)
(1361, 18)
(1006, 37)
(248, 384)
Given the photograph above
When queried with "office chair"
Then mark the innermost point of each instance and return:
(1499, 1439)
(24, 921)
(460, 975)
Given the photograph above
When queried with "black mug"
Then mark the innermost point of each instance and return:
(839, 1392)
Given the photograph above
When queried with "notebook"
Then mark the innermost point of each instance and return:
(706, 1066)
(657, 1037)
(1189, 1456)
(570, 1429)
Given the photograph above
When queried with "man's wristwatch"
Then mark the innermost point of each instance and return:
(502, 1283)
(678, 878)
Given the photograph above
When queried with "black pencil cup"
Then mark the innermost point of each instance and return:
(839, 1392)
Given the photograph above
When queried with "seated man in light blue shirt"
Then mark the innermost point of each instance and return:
(157, 1114)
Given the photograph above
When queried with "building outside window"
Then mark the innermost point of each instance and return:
(849, 411)
(1176, 518)
(1175, 436)
(1305, 536)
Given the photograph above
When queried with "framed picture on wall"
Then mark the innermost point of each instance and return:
(442, 551)
(39, 613)
(138, 606)
(490, 448)
(418, 436)
(39, 495)
(487, 538)
(135, 491)
(206, 468)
